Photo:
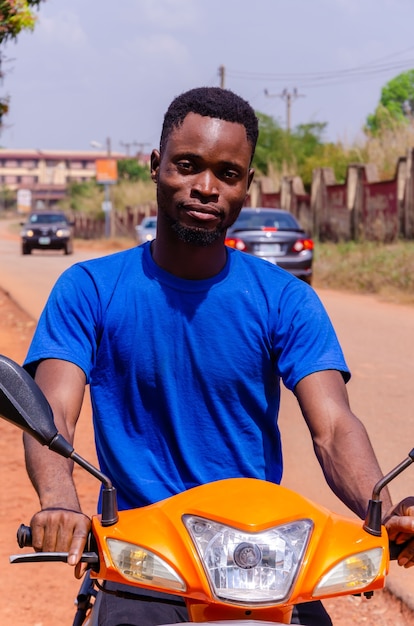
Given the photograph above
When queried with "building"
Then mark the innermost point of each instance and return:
(42, 176)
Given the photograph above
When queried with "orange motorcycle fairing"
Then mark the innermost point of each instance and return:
(241, 549)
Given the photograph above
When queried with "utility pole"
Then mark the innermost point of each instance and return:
(289, 97)
(222, 72)
(141, 145)
(126, 146)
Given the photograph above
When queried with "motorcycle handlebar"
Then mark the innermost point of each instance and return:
(24, 540)
(24, 536)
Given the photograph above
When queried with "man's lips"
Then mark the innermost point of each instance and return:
(204, 213)
(204, 217)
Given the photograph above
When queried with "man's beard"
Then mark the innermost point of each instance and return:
(196, 236)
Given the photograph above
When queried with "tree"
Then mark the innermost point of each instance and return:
(288, 153)
(15, 16)
(272, 146)
(396, 105)
(130, 169)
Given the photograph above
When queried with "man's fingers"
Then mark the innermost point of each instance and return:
(406, 556)
(400, 526)
(60, 530)
(401, 530)
(76, 549)
(80, 536)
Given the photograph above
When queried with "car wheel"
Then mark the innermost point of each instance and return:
(26, 249)
(68, 248)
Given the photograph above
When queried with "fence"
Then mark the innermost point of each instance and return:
(361, 208)
(122, 223)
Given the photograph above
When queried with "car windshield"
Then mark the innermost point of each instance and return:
(150, 224)
(264, 219)
(47, 218)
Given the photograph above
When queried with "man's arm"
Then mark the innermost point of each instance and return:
(60, 526)
(346, 456)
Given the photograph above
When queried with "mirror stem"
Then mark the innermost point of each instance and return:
(373, 519)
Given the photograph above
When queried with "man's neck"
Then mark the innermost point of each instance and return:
(189, 261)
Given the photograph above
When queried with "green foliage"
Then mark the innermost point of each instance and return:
(86, 197)
(306, 140)
(15, 16)
(286, 151)
(396, 105)
(130, 169)
(7, 198)
(300, 151)
(335, 156)
(4, 107)
(83, 197)
(271, 146)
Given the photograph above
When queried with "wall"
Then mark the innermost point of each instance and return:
(361, 208)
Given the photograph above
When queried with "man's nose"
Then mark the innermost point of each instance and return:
(206, 183)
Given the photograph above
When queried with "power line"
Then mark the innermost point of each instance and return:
(322, 78)
(140, 144)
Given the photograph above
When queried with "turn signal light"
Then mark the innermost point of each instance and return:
(235, 242)
(303, 244)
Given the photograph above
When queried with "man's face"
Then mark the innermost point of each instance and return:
(202, 178)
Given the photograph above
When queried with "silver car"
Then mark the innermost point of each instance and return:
(146, 230)
(274, 235)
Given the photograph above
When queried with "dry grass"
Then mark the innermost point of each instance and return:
(386, 270)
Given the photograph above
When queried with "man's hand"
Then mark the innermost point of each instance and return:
(399, 522)
(60, 530)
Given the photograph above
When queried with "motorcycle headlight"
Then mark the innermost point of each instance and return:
(250, 568)
(351, 574)
(138, 564)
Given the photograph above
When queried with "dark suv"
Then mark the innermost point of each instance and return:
(47, 230)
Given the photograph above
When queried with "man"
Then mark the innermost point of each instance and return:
(183, 343)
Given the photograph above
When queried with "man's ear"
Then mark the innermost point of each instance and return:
(155, 165)
(250, 177)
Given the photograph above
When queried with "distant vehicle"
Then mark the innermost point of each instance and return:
(47, 230)
(276, 236)
(146, 230)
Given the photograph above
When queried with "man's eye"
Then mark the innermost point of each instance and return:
(231, 174)
(185, 166)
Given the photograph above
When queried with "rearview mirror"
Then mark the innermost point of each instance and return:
(23, 403)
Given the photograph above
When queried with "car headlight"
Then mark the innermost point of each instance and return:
(138, 564)
(27, 233)
(250, 568)
(353, 573)
(62, 232)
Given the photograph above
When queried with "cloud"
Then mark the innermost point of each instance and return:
(169, 14)
(63, 29)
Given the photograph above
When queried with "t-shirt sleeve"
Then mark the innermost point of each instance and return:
(68, 326)
(305, 341)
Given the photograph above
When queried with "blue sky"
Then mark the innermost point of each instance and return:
(94, 69)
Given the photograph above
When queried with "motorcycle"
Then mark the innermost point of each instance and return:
(239, 551)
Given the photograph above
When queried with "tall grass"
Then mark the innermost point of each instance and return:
(383, 269)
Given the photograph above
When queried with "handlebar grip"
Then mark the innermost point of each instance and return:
(24, 536)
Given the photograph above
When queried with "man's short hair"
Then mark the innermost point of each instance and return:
(211, 102)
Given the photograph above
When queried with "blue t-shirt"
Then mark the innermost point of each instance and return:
(184, 374)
